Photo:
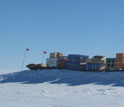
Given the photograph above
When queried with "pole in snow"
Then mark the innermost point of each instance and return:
(24, 58)
(43, 56)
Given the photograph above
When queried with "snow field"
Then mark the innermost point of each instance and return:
(61, 89)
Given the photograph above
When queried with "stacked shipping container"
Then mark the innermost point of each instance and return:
(52, 62)
(110, 63)
(94, 67)
(56, 55)
(74, 61)
(120, 61)
(82, 62)
(62, 62)
(98, 59)
(95, 64)
(56, 60)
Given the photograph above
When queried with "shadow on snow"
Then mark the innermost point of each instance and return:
(71, 78)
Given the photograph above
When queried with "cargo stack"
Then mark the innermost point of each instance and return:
(74, 61)
(98, 59)
(110, 63)
(97, 63)
(120, 61)
(56, 55)
(62, 62)
(94, 67)
(53, 61)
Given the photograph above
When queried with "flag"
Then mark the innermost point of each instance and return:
(27, 49)
(45, 52)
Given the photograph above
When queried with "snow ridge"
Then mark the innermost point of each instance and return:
(71, 78)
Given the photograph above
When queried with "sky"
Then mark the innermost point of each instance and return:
(87, 27)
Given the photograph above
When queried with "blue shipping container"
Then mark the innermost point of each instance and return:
(73, 66)
(78, 60)
(77, 56)
(74, 61)
(92, 66)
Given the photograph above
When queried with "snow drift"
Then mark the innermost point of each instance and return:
(71, 78)
(61, 88)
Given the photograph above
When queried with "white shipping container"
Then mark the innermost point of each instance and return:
(52, 62)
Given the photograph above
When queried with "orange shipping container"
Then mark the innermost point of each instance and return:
(120, 61)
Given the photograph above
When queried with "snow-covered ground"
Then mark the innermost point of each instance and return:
(62, 88)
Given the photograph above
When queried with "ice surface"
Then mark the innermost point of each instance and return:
(62, 88)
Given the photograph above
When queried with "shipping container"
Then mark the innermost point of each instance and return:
(110, 63)
(62, 62)
(94, 67)
(56, 55)
(52, 62)
(120, 61)
(75, 60)
(73, 66)
(78, 58)
(98, 59)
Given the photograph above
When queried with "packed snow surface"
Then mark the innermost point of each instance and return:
(62, 88)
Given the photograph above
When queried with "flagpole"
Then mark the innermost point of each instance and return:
(42, 58)
(24, 58)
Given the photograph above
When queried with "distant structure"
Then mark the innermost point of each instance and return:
(57, 60)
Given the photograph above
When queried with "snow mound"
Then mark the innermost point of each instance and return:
(71, 78)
